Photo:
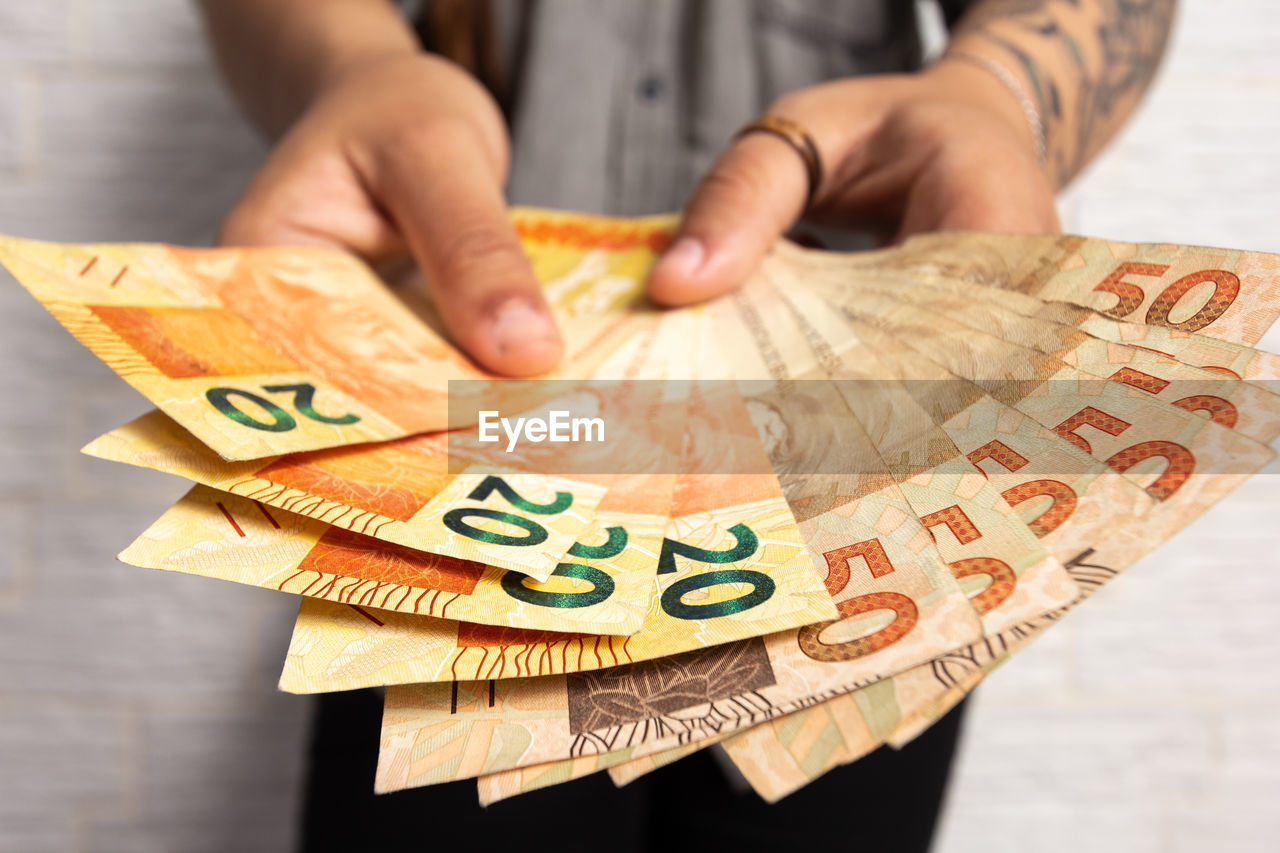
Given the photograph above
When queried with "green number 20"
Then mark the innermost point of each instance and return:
(601, 584)
(762, 586)
(535, 533)
(281, 421)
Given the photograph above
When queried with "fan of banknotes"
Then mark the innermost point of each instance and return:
(888, 472)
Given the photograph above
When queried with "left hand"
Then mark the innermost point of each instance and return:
(946, 148)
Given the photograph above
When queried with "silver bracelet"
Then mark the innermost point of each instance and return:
(1015, 88)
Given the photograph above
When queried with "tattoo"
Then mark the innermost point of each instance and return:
(1081, 101)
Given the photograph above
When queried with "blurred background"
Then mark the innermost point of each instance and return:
(138, 709)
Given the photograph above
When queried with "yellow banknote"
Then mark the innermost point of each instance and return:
(882, 623)
(400, 492)
(219, 535)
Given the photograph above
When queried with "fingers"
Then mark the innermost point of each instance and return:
(441, 188)
(750, 197)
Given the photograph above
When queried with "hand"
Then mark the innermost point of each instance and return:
(942, 149)
(408, 155)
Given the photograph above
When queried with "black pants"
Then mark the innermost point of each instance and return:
(887, 801)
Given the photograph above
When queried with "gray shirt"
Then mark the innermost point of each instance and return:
(618, 106)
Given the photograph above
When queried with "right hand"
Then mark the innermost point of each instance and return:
(408, 155)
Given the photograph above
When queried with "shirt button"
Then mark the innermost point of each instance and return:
(650, 88)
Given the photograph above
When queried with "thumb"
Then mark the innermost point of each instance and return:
(751, 196)
(443, 191)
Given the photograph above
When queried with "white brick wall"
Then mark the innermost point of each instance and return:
(138, 709)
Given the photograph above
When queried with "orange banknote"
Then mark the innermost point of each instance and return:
(266, 351)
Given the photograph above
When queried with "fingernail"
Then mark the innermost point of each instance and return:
(518, 324)
(684, 258)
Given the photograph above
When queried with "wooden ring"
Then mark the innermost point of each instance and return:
(794, 134)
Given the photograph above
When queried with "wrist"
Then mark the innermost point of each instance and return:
(981, 81)
(341, 65)
(383, 101)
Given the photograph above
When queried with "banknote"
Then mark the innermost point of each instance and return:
(267, 351)
(987, 265)
(1228, 294)
(1221, 356)
(775, 757)
(399, 492)
(1251, 408)
(882, 624)
(622, 768)
(924, 695)
(1051, 484)
(218, 535)
(901, 708)
(898, 600)
(419, 705)
(757, 751)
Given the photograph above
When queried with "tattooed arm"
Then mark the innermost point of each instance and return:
(1084, 63)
